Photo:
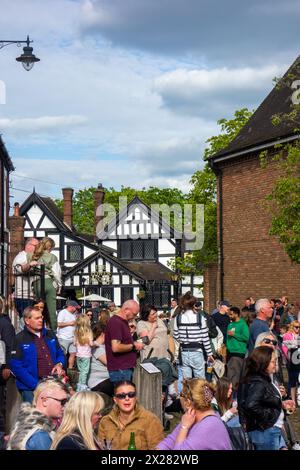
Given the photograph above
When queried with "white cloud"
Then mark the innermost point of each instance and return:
(43, 123)
(207, 92)
(52, 175)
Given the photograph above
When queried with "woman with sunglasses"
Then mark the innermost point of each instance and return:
(290, 348)
(80, 422)
(128, 416)
(200, 428)
(260, 404)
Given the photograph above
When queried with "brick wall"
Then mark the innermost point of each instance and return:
(16, 229)
(210, 290)
(254, 263)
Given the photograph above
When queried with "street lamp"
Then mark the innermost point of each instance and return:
(27, 58)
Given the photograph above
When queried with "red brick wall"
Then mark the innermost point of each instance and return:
(211, 279)
(16, 228)
(254, 263)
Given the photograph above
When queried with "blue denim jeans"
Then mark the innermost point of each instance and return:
(116, 376)
(270, 439)
(193, 364)
(27, 395)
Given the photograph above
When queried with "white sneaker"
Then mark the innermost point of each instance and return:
(296, 446)
(168, 416)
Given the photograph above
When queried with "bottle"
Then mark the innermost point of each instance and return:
(209, 367)
(132, 442)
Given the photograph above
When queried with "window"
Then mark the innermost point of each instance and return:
(74, 252)
(108, 292)
(158, 294)
(138, 250)
(126, 294)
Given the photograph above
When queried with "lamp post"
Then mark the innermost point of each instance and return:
(27, 58)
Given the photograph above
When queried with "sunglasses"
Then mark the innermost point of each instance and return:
(270, 341)
(296, 327)
(122, 396)
(62, 401)
(131, 326)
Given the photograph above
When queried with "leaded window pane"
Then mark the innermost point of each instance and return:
(137, 249)
(75, 252)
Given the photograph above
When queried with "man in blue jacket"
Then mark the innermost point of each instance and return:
(36, 354)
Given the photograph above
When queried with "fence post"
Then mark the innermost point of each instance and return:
(149, 390)
(42, 280)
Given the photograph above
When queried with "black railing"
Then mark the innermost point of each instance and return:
(23, 283)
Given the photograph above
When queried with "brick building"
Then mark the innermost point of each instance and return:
(251, 262)
(6, 167)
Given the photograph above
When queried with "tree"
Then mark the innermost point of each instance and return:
(204, 189)
(284, 199)
(83, 202)
(285, 202)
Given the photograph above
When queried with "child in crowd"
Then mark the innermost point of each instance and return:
(83, 340)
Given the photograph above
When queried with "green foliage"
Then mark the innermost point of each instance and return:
(284, 201)
(229, 130)
(83, 202)
(204, 188)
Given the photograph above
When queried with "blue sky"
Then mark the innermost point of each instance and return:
(128, 91)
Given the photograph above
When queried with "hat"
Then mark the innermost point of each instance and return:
(72, 303)
(225, 303)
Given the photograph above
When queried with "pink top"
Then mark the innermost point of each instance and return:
(83, 351)
(289, 336)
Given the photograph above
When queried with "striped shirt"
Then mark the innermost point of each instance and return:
(190, 331)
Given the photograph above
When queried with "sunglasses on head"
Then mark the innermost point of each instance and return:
(270, 341)
(122, 396)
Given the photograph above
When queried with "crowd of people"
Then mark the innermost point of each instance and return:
(222, 372)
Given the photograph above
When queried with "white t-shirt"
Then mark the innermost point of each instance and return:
(22, 280)
(67, 332)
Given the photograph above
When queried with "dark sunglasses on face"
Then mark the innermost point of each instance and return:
(270, 341)
(296, 327)
(63, 401)
(122, 396)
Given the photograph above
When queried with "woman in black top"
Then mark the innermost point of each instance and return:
(260, 405)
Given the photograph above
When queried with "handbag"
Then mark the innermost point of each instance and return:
(218, 368)
(239, 438)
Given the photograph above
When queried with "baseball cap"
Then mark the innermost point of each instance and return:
(225, 303)
(72, 303)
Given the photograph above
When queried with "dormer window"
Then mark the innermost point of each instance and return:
(138, 250)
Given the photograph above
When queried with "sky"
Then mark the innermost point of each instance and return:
(128, 91)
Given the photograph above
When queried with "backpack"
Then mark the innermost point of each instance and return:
(239, 438)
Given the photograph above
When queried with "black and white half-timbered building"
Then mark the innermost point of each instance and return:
(126, 258)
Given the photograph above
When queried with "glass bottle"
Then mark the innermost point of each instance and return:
(132, 442)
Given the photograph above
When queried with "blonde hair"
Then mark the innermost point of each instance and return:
(199, 392)
(44, 245)
(83, 333)
(47, 384)
(78, 417)
(293, 324)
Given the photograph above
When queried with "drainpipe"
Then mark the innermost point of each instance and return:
(219, 175)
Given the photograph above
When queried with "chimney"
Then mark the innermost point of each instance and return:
(68, 209)
(98, 201)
